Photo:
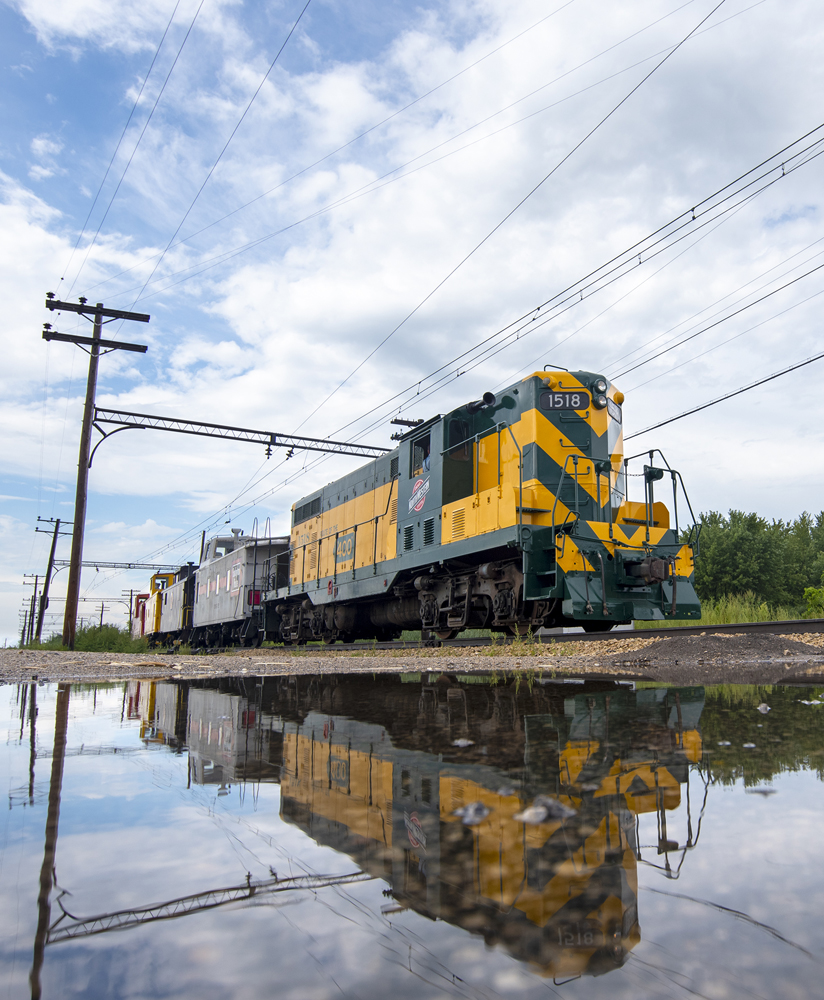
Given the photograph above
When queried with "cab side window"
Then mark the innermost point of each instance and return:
(420, 456)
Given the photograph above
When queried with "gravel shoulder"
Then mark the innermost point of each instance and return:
(706, 659)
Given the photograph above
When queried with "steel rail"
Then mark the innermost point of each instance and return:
(798, 625)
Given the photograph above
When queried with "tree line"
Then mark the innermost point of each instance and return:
(776, 561)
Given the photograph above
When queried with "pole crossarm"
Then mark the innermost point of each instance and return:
(112, 345)
(82, 307)
(87, 564)
(75, 927)
(266, 438)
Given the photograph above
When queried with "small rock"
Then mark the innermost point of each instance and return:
(723, 743)
(749, 746)
(463, 743)
(763, 708)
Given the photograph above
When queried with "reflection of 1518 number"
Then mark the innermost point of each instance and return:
(344, 549)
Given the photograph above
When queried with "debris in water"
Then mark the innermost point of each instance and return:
(505, 791)
(749, 746)
(723, 743)
(543, 809)
(473, 813)
(463, 743)
(765, 792)
(763, 708)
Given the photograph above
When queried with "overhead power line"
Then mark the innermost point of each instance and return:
(718, 322)
(729, 395)
(139, 140)
(225, 147)
(512, 211)
(119, 144)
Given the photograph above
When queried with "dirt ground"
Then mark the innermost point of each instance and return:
(684, 660)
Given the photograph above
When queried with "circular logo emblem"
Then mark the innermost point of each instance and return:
(414, 830)
(419, 491)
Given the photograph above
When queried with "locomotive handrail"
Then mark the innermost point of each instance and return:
(676, 478)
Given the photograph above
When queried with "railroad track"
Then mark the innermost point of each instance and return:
(747, 628)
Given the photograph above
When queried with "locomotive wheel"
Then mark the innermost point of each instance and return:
(597, 626)
(445, 634)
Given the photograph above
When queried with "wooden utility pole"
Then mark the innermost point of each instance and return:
(33, 606)
(98, 315)
(44, 598)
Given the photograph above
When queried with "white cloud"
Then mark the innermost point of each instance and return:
(43, 146)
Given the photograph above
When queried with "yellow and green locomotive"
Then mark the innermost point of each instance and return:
(509, 513)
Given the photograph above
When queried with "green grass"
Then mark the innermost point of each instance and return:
(97, 639)
(731, 610)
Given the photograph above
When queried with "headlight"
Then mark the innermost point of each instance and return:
(600, 402)
(600, 385)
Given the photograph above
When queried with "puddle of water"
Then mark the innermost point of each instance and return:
(305, 838)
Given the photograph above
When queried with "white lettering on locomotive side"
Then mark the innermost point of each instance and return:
(345, 548)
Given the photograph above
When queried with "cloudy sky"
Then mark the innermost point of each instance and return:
(280, 227)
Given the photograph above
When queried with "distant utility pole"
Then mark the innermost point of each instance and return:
(25, 628)
(98, 314)
(29, 632)
(44, 598)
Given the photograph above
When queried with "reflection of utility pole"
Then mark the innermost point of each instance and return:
(32, 740)
(61, 723)
(98, 314)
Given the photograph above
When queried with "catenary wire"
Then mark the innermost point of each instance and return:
(729, 340)
(509, 214)
(729, 395)
(137, 144)
(119, 144)
(225, 147)
(405, 108)
(216, 260)
(375, 184)
(492, 345)
(712, 326)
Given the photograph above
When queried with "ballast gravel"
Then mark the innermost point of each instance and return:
(678, 659)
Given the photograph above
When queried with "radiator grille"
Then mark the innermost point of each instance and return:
(408, 537)
(429, 531)
(393, 511)
(458, 522)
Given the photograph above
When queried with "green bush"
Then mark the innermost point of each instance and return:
(98, 639)
(814, 596)
(731, 609)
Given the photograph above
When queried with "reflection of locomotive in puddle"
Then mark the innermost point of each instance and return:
(560, 894)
